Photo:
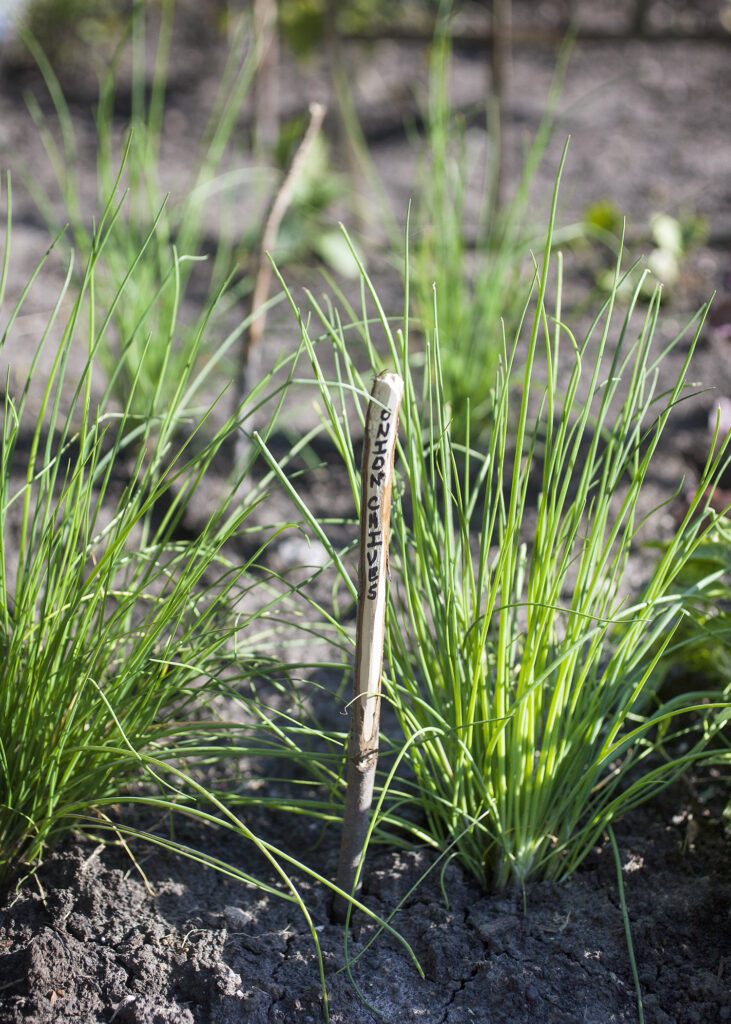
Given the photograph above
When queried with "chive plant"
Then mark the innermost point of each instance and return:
(138, 353)
(111, 629)
(470, 247)
(119, 640)
(520, 657)
(701, 646)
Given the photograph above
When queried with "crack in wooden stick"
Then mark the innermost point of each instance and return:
(379, 450)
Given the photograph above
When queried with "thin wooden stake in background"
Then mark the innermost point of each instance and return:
(379, 451)
(263, 270)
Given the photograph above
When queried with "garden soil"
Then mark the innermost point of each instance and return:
(139, 936)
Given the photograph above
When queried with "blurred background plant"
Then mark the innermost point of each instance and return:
(475, 257)
(670, 238)
(65, 27)
(473, 249)
(305, 24)
(308, 228)
(140, 351)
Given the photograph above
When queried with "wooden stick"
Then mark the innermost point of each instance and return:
(263, 270)
(379, 451)
(275, 213)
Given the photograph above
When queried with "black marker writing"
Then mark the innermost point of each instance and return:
(376, 475)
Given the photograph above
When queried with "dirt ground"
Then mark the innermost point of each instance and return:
(91, 939)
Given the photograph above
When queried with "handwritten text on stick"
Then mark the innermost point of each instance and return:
(379, 460)
(379, 450)
(378, 457)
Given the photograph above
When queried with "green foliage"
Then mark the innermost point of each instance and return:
(307, 227)
(66, 27)
(520, 664)
(701, 645)
(475, 257)
(123, 628)
(671, 239)
(303, 23)
(115, 633)
(140, 354)
(602, 215)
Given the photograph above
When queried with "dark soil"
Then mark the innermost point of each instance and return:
(88, 939)
(96, 937)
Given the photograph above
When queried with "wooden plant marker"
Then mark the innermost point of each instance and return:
(379, 449)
